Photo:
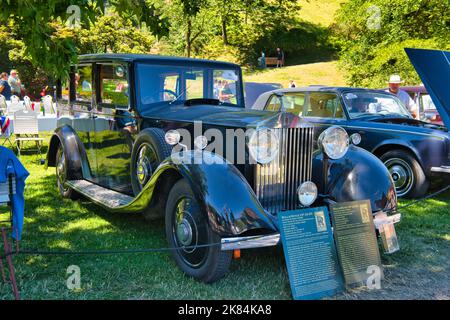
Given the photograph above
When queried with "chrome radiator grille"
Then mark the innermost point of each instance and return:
(276, 183)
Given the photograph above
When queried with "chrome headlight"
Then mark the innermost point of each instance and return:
(263, 146)
(307, 193)
(334, 142)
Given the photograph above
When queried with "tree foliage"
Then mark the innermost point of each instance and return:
(373, 35)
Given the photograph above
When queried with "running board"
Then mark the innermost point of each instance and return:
(105, 197)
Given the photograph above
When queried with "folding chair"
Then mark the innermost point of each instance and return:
(7, 191)
(49, 107)
(5, 131)
(27, 103)
(26, 129)
(3, 105)
(15, 105)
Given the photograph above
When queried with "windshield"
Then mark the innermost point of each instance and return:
(362, 104)
(167, 84)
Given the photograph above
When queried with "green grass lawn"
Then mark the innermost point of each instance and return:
(419, 270)
(321, 73)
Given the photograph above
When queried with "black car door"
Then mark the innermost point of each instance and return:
(76, 110)
(115, 126)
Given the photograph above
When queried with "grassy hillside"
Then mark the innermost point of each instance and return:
(325, 73)
(318, 11)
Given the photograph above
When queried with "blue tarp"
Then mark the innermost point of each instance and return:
(433, 67)
(10, 164)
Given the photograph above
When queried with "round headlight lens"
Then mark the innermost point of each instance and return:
(334, 142)
(263, 146)
(307, 193)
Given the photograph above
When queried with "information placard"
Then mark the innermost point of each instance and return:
(356, 240)
(310, 253)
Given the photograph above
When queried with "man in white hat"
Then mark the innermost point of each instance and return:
(394, 88)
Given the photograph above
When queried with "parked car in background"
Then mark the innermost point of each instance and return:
(427, 109)
(121, 143)
(254, 89)
(415, 152)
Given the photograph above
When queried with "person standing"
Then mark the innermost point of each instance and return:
(15, 83)
(292, 84)
(394, 88)
(280, 58)
(5, 88)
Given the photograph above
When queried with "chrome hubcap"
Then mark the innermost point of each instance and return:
(61, 171)
(184, 232)
(144, 164)
(189, 230)
(402, 175)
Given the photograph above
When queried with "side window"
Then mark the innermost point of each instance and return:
(294, 103)
(83, 84)
(274, 104)
(113, 85)
(324, 105)
(225, 83)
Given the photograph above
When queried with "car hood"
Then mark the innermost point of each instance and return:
(225, 116)
(433, 67)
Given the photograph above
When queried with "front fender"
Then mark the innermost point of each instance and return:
(397, 142)
(73, 149)
(221, 190)
(224, 193)
(359, 175)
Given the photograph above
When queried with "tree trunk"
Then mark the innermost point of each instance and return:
(224, 31)
(188, 37)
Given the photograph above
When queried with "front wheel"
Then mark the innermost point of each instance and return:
(62, 174)
(187, 226)
(408, 176)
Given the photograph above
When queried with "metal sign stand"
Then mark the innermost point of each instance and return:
(7, 246)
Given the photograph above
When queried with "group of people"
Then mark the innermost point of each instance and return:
(222, 91)
(10, 84)
(280, 59)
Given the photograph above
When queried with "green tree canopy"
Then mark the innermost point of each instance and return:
(373, 35)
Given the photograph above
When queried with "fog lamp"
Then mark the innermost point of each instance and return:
(172, 137)
(307, 193)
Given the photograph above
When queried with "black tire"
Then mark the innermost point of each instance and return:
(408, 175)
(63, 174)
(153, 139)
(206, 264)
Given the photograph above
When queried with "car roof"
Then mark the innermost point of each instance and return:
(262, 99)
(326, 88)
(106, 57)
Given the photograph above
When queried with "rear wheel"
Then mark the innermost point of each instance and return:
(149, 150)
(187, 226)
(62, 174)
(409, 179)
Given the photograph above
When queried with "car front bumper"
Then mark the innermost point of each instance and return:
(273, 239)
(441, 169)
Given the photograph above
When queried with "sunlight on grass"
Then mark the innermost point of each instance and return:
(322, 73)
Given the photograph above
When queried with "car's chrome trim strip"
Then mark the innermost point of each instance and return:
(250, 242)
(443, 169)
(430, 135)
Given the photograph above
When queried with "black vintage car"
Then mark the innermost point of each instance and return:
(415, 152)
(141, 133)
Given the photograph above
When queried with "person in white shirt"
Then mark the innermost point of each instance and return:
(394, 88)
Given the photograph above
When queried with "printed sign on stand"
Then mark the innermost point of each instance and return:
(310, 253)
